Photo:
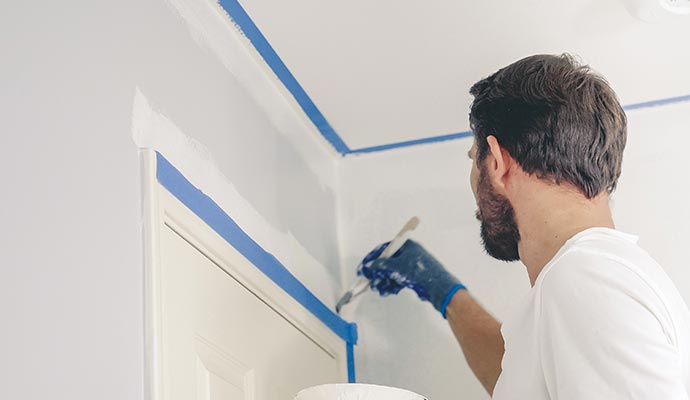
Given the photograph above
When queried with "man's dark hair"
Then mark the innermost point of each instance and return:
(556, 118)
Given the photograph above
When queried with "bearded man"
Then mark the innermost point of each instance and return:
(602, 320)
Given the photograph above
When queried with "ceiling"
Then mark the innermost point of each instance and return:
(385, 72)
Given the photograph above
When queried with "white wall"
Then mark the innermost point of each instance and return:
(653, 197)
(405, 342)
(71, 291)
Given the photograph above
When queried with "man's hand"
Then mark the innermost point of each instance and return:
(412, 267)
(477, 332)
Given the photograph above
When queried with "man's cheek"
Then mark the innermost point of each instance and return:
(474, 179)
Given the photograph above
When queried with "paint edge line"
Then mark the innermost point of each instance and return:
(657, 103)
(351, 377)
(211, 213)
(247, 26)
(408, 143)
(442, 138)
(264, 48)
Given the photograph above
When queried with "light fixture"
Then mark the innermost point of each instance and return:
(676, 6)
(657, 10)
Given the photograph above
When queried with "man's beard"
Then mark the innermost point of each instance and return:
(499, 230)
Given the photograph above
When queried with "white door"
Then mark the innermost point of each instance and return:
(220, 341)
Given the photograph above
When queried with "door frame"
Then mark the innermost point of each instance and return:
(276, 287)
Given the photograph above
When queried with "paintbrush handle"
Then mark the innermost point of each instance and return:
(400, 238)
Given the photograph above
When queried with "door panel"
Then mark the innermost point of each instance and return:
(220, 341)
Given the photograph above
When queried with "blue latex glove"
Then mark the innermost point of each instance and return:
(412, 267)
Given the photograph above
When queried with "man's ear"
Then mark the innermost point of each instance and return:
(499, 163)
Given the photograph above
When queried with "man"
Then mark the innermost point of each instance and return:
(602, 319)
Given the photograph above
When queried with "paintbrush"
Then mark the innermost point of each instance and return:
(361, 285)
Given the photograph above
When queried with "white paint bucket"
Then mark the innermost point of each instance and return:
(356, 391)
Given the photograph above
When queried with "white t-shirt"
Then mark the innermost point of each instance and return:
(603, 321)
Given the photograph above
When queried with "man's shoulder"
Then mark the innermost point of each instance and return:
(594, 257)
(591, 281)
(588, 266)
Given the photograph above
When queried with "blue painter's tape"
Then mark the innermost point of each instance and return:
(433, 139)
(442, 138)
(250, 30)
(206, 209)
(264, 48)
(656, 103)
(351, 378)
